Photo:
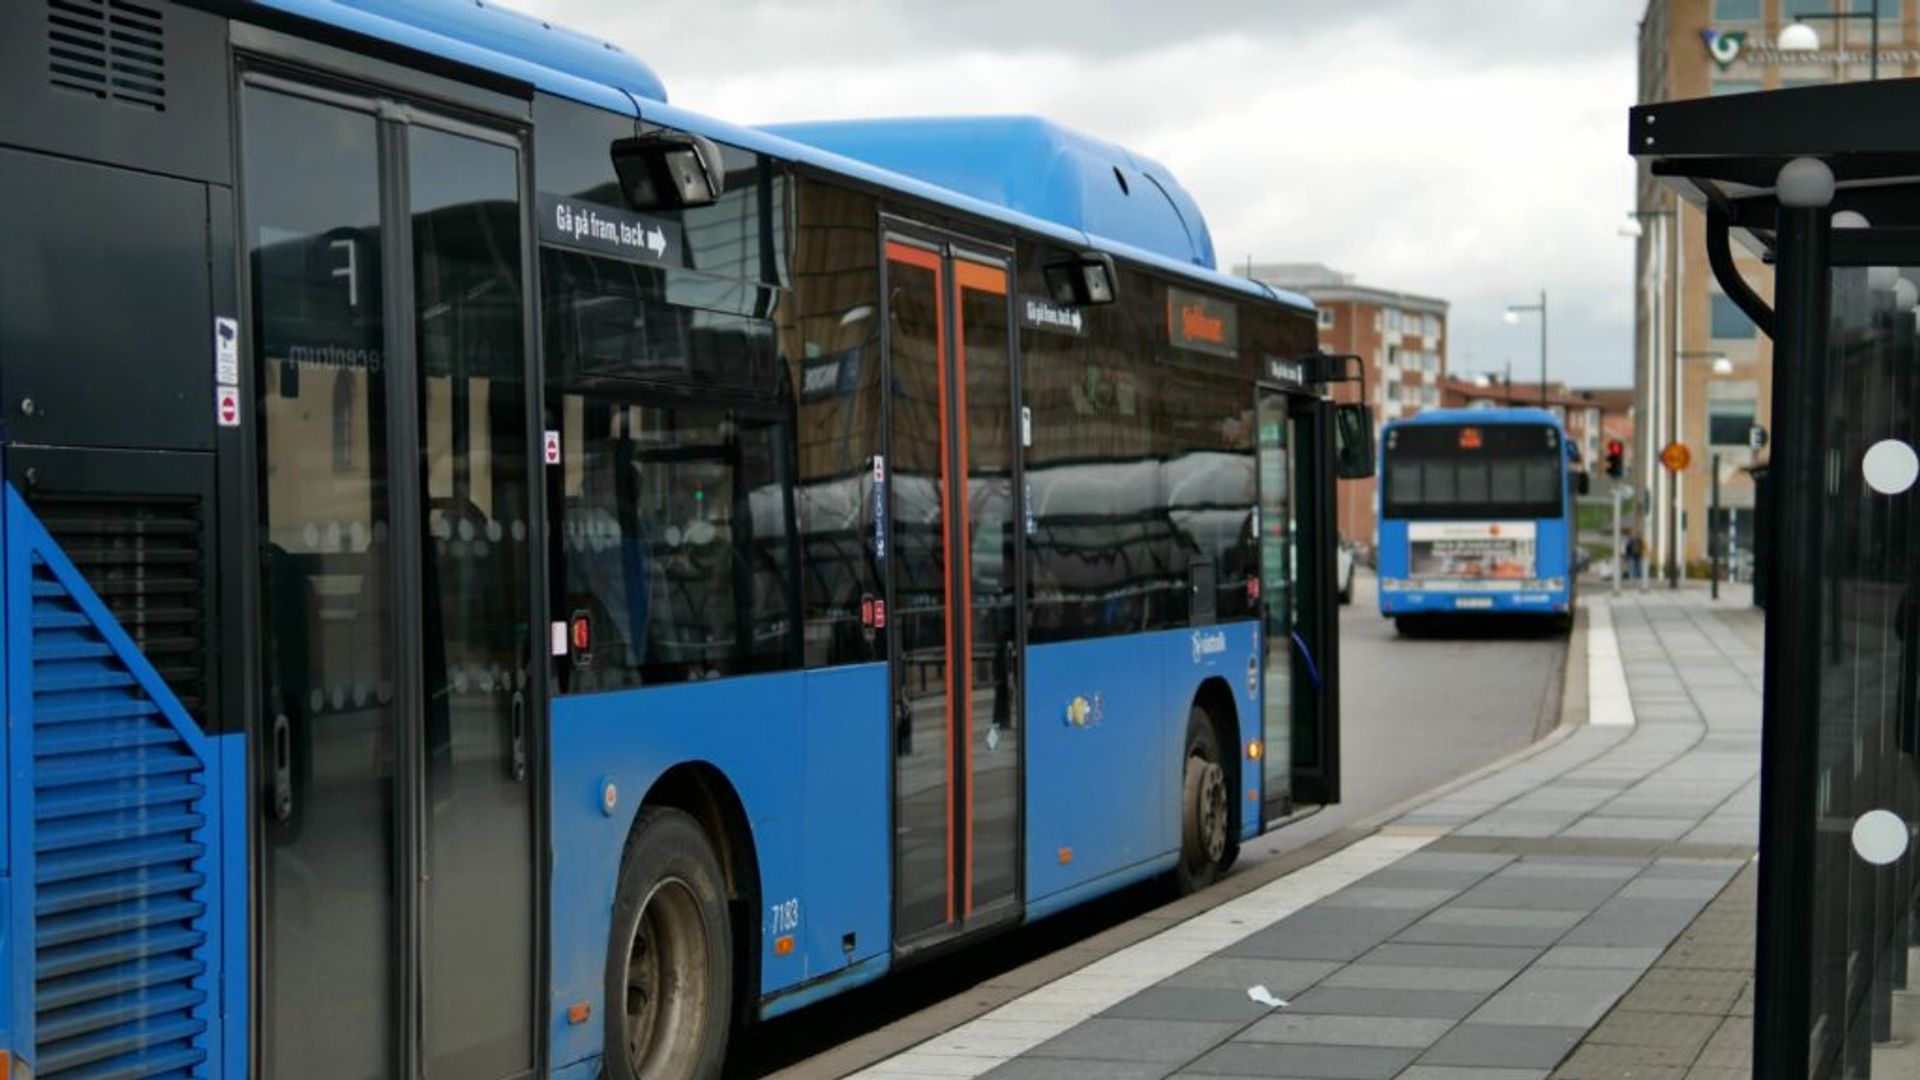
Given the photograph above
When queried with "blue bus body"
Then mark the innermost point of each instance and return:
(178, 872)
(1502, 561)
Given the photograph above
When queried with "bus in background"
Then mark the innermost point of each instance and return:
(1476, 516)
(523, 577)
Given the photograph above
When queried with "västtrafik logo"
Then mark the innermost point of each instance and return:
(1724, 45)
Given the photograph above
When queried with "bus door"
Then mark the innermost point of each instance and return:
(390, 330)
(1300, 710)
(952, 559)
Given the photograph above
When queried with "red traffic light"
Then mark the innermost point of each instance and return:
(1616, 458)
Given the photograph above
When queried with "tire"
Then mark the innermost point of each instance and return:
(1206, 808)
(669, 988)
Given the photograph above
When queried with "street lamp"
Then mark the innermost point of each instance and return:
(1514, 311)
(1662, 384)
(1674, 554)
(1797, 36)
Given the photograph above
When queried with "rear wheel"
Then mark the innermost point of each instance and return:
(669, 964)
(1206, 844)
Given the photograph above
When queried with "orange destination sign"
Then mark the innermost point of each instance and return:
(1676, 457)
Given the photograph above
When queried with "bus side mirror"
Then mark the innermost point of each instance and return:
(1353, 441)
(669, 170)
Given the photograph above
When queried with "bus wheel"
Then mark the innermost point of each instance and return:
(669, 968)
(1205, 814)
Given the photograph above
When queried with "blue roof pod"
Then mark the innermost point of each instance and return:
(491, 29)
(1034, 166)
(1509, 414)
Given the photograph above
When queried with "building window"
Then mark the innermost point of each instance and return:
(1729, 322)
(1326, 318)
(1394, 322)
(1730, 420)
(1736, 10)
(1722, 87)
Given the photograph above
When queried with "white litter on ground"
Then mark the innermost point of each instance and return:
(1265, 997)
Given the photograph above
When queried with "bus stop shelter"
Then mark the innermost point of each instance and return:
(1824, 184)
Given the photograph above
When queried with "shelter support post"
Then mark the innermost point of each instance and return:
(1791, 688)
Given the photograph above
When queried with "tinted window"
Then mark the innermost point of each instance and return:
(829, 335)
(1099, 539)
(675, 541)
(613, 319)
(675, 503)
(1473, 471)
(1141, 464)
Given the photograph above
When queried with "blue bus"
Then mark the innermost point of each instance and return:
(1476, 516)
(506, 576)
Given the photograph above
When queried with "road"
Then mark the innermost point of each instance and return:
(1416, 713)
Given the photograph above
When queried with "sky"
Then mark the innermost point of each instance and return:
(1471, 150)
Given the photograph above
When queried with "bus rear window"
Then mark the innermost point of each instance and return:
(1473, 471)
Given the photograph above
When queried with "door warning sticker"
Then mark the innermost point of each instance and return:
(226, 406)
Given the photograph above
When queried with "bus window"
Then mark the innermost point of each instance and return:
(1509, 470)
(675, 542)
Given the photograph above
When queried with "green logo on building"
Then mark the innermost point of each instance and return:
(1724, 47)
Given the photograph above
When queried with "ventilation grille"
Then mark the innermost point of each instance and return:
(120, 878)
(109, 49)
(144, 559)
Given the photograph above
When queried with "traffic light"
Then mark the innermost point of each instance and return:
(1616, 458)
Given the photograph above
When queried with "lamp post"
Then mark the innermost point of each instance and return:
(1662, 291)
(1674, 555)
(1514, 311)
(1797, 36)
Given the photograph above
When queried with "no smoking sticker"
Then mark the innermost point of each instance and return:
(226, 406)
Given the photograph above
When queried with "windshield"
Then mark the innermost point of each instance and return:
(1473, 471)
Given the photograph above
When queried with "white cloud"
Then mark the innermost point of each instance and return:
(1459, 149)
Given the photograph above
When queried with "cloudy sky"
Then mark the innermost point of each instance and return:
(1472, 150)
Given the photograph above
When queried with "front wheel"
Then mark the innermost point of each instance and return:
(1205, 808)
(669, 964)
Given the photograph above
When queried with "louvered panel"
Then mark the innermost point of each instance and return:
(144, 558)
(109, 49)
(120, 903)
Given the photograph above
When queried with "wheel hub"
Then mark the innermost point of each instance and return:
(666, 975)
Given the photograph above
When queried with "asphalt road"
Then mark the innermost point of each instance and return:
(1416, 713)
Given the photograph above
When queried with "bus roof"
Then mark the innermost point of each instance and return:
(1033, 165)
(1525, 414)
(1068, 204)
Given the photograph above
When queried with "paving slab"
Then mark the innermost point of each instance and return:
(1504, 1045)
(1301, 1061)
(1107, 1039)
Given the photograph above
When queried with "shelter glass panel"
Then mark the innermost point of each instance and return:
(1868, 723)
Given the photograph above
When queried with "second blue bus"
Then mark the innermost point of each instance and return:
(1476, 517)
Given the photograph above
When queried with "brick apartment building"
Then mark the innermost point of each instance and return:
(1403, 339)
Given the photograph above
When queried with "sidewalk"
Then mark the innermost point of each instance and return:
(1486, 934)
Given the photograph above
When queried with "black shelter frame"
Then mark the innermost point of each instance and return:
(1773, 171)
